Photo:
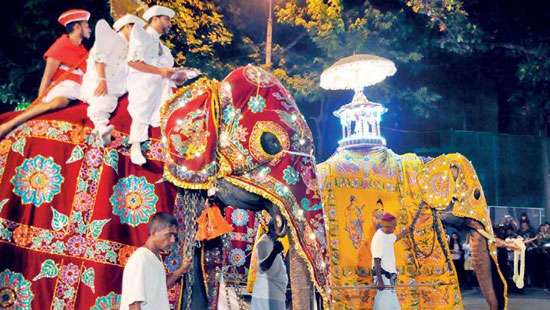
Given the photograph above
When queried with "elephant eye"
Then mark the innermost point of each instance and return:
(267, 141)
(477, 193)
(270, 143)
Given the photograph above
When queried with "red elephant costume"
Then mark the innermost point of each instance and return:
(72, 212)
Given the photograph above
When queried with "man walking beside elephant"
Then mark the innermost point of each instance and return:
(383, 263)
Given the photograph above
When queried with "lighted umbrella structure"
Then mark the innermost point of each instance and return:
(360, 118)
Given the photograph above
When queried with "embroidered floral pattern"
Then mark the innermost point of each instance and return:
(237, 257)
(5, 146)
(84, 201)
(15, 291)
(229, 114)
(37, 180)
(70, 274)
(125, 253)
(94, 157)
(76, 245)
(239, 217)
(291, 176)
(173, 261)
(22, 235)
(241, 134)
(256, 104)
(107, 302)
(134, 200)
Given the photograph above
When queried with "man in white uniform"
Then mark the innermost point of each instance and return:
(269, 291)
(105, 79)
(144, 281)
(383, 263)
(151, 76)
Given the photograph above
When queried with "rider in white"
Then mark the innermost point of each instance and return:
(151, 76)
(105, 80)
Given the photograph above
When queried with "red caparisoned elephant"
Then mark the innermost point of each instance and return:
(71, 212)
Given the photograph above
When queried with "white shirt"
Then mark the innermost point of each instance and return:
(272, 283)
(382, 246)
(144, 279)
(111, 49)
(146, 91)
(149, 48)
(456, 251)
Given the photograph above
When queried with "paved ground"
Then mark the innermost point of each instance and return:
(532, 299)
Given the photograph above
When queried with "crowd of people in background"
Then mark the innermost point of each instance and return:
(537, 254)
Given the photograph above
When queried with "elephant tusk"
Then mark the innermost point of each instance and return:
(486, 235)
(299, 154)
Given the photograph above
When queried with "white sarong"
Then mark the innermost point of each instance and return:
(67, 89)
(386, 299)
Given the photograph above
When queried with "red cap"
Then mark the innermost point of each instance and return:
(73, 16)
(387, 217)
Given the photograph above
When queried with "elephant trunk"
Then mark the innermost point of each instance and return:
(481, 262)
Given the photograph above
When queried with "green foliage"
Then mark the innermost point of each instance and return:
(452, 56)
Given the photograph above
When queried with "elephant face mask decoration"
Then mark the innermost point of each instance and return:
(248, 131)
(450, 185)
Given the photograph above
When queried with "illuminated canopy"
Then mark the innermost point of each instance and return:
(356, 72)
(360, 119)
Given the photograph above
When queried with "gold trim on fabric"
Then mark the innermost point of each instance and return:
(294, 234)
(255, 142)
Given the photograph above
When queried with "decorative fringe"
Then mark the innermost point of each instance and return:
(211, 224)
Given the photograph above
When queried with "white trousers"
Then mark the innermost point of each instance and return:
(67, 89)
(386, 299)
(100, 109)
(146, 94)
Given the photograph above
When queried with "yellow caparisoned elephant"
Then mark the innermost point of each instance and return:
(359, 184)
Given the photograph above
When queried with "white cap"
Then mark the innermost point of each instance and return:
(128, 19)
(157, 10)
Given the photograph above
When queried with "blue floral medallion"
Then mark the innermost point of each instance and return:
(15, 291)
(37, 180)
(134, 200)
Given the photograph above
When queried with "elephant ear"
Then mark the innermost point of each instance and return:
(468, 194)
(189, 122)
(437, 183)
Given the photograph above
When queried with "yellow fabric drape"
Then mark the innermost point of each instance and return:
(262, 229)
(356, 187)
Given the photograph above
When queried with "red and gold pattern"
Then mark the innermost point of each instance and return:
(72, 245)
(237, 112)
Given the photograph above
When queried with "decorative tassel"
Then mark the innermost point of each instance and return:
(211, 223)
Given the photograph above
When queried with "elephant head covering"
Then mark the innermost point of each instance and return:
(248, 130)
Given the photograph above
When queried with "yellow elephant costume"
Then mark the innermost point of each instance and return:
(358, 185)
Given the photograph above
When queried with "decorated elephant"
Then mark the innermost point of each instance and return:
(71, 212)
(358, 184)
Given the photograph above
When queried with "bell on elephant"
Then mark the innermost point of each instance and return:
(211, 224)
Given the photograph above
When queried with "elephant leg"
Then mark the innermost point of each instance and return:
(301, 285)
(194, 297)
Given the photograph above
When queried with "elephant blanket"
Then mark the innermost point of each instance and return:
(71, 213)
(358, 186)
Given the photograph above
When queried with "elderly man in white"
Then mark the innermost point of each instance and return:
(151, 76)
(105, 80)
